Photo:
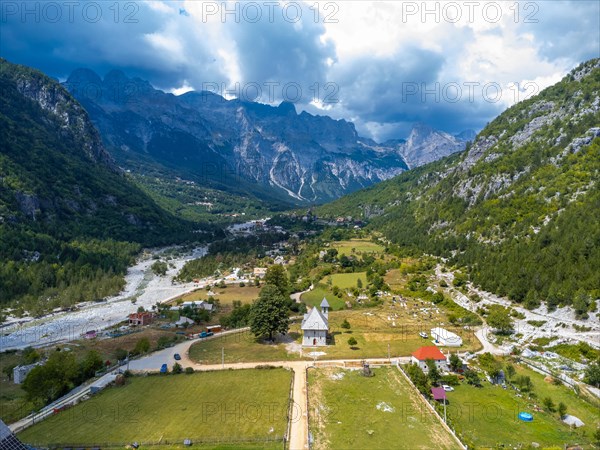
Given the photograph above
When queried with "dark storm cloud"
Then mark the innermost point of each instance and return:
(99, 36)
(285, 48)
(411, 87)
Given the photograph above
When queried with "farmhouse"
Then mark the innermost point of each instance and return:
(445, 337)
(421, 355)
(315, 326)
(260, 272)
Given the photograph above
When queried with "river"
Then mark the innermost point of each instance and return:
(140, 283)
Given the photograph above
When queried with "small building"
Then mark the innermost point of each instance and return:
(184, 322)
(21, 372)
(315, 326)
(445, 338)
(141, 318)
(198, 304)
(421, 355)
(439, 394)
(92, 334)
(260, 272)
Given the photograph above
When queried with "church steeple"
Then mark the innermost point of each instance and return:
(325, 308)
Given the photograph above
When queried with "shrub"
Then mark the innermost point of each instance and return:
(142, 346)
(548, 404)
(451, 380)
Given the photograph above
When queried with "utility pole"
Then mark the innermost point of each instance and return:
(128, 360)
(389, 351)
(223, 357)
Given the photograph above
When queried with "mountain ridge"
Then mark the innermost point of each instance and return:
(302, 157)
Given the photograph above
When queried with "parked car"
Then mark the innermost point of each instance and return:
(163, 368)
(447, 388)
(177, 356)
(423, 335)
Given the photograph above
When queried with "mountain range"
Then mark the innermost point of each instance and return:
(517, 207)
(271, 152)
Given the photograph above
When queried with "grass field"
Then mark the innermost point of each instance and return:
(13, 405)
(348, 410)
(488, 416)
(346, 280)
(225, 405)
(371, 328)
(314, 297)
(227, 295)
(377, 328)
(358, 245)
(242, 347)
(576, 406)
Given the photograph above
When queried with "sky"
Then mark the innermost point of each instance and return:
(382, 65)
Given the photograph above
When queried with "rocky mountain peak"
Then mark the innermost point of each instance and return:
(287, 108)
(426, 144)
(84, 76)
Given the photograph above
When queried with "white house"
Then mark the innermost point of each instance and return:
(315, 326)
(445, 337)
(421, 355)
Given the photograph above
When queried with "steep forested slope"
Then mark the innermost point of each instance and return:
(66, 210)
(519, 207)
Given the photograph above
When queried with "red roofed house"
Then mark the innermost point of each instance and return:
(421, 355)
(141, 318)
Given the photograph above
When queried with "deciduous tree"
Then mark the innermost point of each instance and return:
(269, 313)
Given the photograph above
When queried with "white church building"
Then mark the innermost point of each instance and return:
(315, 326)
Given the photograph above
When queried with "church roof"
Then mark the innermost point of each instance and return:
(315, 321)
(325, 303)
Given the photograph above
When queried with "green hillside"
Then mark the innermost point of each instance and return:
(70, 221)
(519, 208)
